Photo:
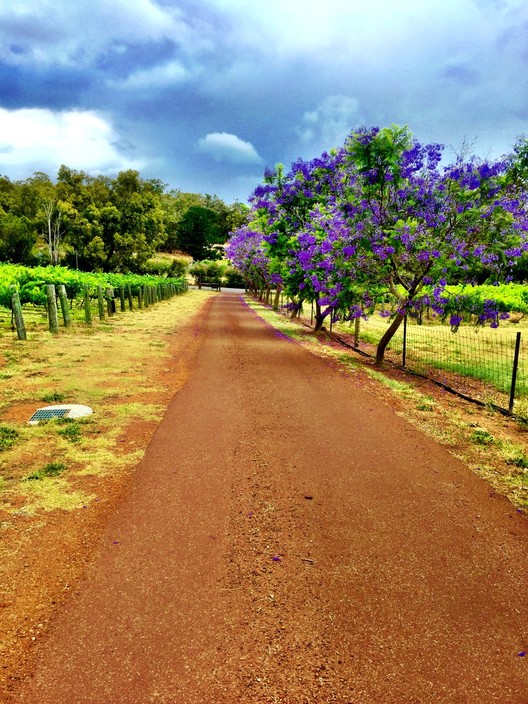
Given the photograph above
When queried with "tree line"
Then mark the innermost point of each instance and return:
(98, 223)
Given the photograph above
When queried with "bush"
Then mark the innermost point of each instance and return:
(233, 278)
(207, 270)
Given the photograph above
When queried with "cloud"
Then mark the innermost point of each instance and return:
(74, 33)
(41, 140)
(293, 78)
(330, 123)
(169, 74)
(222, 146)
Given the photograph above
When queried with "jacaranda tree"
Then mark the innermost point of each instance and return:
(383, 219)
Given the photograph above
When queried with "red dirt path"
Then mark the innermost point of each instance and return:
(288, 538)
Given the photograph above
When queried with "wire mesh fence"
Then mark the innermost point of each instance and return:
(488, 365)
(477, 362)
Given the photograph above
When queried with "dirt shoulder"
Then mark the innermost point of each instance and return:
(288, 537)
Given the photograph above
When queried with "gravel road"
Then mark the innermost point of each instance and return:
(288, 538)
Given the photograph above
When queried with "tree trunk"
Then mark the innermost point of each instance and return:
(387, 337)
(319, 317)
(357, 327)
(296, 310)
(276, 298)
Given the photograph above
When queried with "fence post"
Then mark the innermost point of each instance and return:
(514, 371)
(100, 303)
(19, 318)
(53, 315)
(87, 306)
(65, 308)
(404, 354)
(122, 298)
(110, 302)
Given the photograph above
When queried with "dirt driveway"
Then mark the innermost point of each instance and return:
(288, 538)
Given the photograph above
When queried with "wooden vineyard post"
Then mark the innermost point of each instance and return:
(140, 297)
(122, 298)
(87, 306)
(65, 308)
(110, 302)
(19, 318)
(53, 315)
(129, 296)
(100, 302)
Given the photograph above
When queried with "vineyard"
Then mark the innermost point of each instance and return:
(32, 297)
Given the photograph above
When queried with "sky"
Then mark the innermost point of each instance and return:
(206, 94)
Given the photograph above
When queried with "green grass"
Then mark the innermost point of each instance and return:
(481, 437)
(8, 437)
(484, 354)
(54, 469)
(71, 430)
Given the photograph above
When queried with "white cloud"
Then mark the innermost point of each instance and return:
(41, 140)
(223, 146)
(170, 74)
(330, 123)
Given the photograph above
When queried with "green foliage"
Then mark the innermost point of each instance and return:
(54, 469)
(31, 282)
(517, 458)
(71, 430)
(53, 397)
(104, 224)
(508, 297)
(17, 238)
(173, 267)
(8, 437)
(199, 231)
(233, 278)
(481, 437)
(208, 270)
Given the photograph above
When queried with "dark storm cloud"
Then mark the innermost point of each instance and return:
(205, 93)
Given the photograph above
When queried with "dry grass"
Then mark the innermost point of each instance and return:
(117, 368)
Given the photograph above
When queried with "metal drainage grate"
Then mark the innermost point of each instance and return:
(47, 413)
(65, 410)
